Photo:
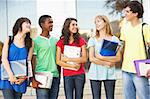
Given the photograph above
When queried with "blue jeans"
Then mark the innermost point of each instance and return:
(52, 93)
(109, 86)
(74, 83)
(133, 84)
(11, 94)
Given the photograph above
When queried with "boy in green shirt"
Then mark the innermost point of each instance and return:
(45, 59)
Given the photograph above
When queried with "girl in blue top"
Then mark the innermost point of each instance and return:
(20, 48)
(102, 68)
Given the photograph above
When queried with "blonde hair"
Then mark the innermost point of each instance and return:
(107, 26)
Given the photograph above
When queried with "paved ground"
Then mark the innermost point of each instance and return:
(63, 97)
(30, 94)
(87, 92)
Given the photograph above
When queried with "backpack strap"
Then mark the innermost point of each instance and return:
(144, 41)
(11, 39)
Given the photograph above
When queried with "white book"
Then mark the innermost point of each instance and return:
(45, 78)
(143, 68)
(18, 68)
(72, 52)
(30, 72)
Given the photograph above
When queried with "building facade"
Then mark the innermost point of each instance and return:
(10, 10)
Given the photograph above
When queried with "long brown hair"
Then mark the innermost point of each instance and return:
(107, 26)
(66, 32)
(18, 27)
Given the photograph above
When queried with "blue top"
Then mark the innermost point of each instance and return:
(99, 72)
(15, 53)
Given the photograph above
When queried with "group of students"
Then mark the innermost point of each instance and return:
(46, 52)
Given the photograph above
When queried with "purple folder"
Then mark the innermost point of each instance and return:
(136, 62)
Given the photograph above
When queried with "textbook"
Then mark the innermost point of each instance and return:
(109, 48)
(30, 71)
(142, 66)
(45, 78)
(18, 68)
(72, 52)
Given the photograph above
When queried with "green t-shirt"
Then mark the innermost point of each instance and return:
(45, 51)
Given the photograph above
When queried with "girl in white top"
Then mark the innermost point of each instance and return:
(102, 68)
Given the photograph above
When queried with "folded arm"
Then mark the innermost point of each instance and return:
(116, 58)
(62, 63)
(96, 60)
(81, 59)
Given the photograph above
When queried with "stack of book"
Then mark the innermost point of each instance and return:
(72, 52)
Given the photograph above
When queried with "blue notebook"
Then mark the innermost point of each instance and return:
(18, 68)
(109, 48)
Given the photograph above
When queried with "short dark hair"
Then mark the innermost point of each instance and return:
(136, 7)
(43, 18)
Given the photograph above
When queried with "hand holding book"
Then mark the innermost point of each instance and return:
(103, 58)
(76, 66)
(148, 73)
(12, 79)
(142, 67)
(67, 60)
(20, 80)
(35, 83)
(64, 58)
(72, 65)
(71, 52)
(18, 69)
(42, 80)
